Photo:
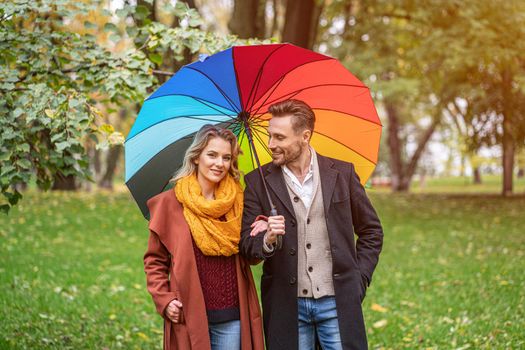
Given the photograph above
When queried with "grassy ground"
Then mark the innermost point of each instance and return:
(458, 184)
(450, 276)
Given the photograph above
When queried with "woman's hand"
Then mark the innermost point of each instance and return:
(174, 311)
(258, 227)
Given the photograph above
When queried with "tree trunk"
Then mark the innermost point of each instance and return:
(394, 146)
(260, 21)
(246, 19)
(111, 164)
(64, 183)
(275, 20)
(423, 141)
(314, 26)
(402, 174)
(477, 176)
(508, 139)
(521, 173)
(298, 23)
(508, 157)
(152, 8)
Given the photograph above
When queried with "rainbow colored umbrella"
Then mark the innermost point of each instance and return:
(234, 89)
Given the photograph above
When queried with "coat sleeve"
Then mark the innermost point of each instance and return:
(251, 247)
(366, 226)
(157, 266)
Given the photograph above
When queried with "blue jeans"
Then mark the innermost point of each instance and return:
(318, 316)
(225, 335)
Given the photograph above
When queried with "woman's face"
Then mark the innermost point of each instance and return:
(214, 162)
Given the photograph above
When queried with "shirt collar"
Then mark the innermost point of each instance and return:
(291, 175)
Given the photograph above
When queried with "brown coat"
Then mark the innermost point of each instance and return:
(171, 273)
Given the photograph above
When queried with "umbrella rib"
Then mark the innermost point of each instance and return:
(259, 74)
(228, 99)
(350, 148)
(206, 104)
(296, 92)
(263, 131)
(258, 126)
(274, 88)
(261, 141)
(250, 149)
(179, 116)
(294, 68)
(237, 126)
(242, 136)
(258, 117)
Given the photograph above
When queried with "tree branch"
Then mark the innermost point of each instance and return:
(162, 72)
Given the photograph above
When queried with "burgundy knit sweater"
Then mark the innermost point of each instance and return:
(218, 279)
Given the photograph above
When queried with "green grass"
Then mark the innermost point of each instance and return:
(458, 184)
(450, 276)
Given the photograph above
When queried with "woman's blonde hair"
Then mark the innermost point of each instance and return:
(203, 136)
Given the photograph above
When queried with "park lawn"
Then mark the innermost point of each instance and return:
(450, 276)
(461, 184)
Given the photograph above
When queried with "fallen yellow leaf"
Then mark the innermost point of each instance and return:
(143, 336)
(378, 308)
(380, 323)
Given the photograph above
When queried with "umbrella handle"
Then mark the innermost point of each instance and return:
(279, 242)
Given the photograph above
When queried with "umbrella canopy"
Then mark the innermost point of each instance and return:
(234, 89)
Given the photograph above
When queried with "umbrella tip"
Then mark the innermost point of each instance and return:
(203, 56)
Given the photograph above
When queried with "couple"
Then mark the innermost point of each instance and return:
(203, 237)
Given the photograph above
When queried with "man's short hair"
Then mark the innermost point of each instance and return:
(303, 116)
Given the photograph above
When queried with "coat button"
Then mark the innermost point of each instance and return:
(293, 222)
(336, 275)
(292, 280)
(305, 291)
(308, 246)
(296, 199)
(310, 268)
(307, 221)
(292, 251)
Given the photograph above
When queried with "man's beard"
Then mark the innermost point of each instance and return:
(290, 155)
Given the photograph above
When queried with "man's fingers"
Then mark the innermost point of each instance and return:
(177, 303)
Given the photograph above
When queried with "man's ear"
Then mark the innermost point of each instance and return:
(307, 134)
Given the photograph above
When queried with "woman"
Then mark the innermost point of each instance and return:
(199, 283)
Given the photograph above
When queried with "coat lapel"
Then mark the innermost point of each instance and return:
(328, 176)
(275, 180)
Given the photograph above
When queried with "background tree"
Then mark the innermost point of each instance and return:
(52, 78)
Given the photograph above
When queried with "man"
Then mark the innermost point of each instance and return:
(312, 288)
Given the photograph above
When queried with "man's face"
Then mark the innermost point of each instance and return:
(286, 145)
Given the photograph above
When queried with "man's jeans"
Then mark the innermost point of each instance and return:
(318, 316)
(225, 335)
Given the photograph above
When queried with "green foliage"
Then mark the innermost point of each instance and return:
(450, 274)
(49, 75)
(51, 78)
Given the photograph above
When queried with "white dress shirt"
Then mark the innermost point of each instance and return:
(305, 190)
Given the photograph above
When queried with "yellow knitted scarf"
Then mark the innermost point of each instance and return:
(212, 236)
